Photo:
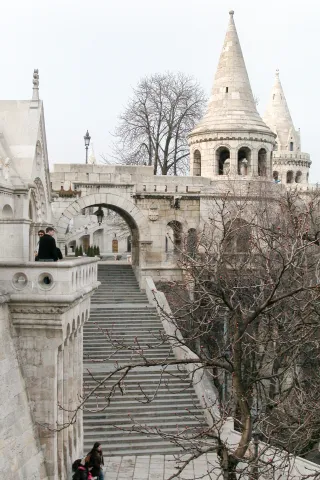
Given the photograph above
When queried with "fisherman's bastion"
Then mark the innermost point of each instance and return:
(43, 322)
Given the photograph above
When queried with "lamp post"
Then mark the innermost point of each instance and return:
(87, 139)
(99, 214)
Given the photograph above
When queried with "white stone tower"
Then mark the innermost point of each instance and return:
(231, 138)
(290, 165)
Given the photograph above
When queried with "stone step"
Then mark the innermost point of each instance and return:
(162, 448)
(121, 308)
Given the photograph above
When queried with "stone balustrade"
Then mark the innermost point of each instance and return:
(63, 280)
(48, 305)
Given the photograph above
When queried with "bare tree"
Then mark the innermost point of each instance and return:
(248, 311)
(164, 108)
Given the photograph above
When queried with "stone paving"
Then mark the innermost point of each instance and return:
(160, 467)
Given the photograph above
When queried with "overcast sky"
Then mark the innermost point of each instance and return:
(91, 53)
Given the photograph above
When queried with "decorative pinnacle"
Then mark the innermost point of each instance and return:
(277, 72)
(35, 81)
(231, 13)
(35, 78)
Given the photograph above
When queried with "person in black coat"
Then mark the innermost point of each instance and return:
(47, 247)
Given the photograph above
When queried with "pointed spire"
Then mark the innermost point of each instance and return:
(278, 118)
(231, 105)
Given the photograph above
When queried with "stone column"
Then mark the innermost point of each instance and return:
(66, 401)
(61, 464)
(233, 161)
(71, 393)
(269, 165)
(75, 396)
(80, 389)
(39, 363)
(254, 162)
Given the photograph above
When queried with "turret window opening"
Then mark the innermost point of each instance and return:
(197, 163)
(227, 89)
(275, 176)
(291, 146)
(223, 161)
(290, 176)
(262, 162)
(244, 161)
(298, 178)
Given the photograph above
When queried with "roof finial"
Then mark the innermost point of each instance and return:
(231, 13)
(277, 72)
(35, 93)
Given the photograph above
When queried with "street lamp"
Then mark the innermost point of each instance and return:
(87, 139)
(99, 214)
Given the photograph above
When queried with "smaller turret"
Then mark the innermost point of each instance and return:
(290, 165)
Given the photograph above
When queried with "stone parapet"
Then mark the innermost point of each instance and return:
(284, 157)
(48, 305)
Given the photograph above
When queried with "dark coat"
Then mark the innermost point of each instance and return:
(94, 460)
(47, 248)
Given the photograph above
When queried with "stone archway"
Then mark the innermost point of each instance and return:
(135, 219)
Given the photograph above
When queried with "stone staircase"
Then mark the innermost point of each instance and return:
(122, 329)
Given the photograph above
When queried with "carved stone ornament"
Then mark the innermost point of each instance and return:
(153, 213)
(37, 310)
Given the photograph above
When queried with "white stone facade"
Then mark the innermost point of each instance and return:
(41, 325)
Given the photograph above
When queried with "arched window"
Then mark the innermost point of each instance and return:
(244, 161)
(7, 212)
(275, 176)
(275, 147)
(174, 233)
(298, 178)
(262, 162)
(291, 146)
(197, 163)
(290, 176)
(223, 162)
(237, 236)
(192, 242)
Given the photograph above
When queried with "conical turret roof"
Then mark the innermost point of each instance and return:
(231, 106)
(278, 118)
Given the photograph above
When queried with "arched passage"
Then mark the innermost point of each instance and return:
(123, 206)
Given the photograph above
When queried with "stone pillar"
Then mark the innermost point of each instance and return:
(71, 393)
(254, 162)
(38, 359)
(233, 161)
(66, 401)
(61, 463)
(80, 388)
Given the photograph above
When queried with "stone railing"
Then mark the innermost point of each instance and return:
(275, 463)
(55, 281)
(48, 304)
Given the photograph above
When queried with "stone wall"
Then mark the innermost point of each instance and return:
(20, 453)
